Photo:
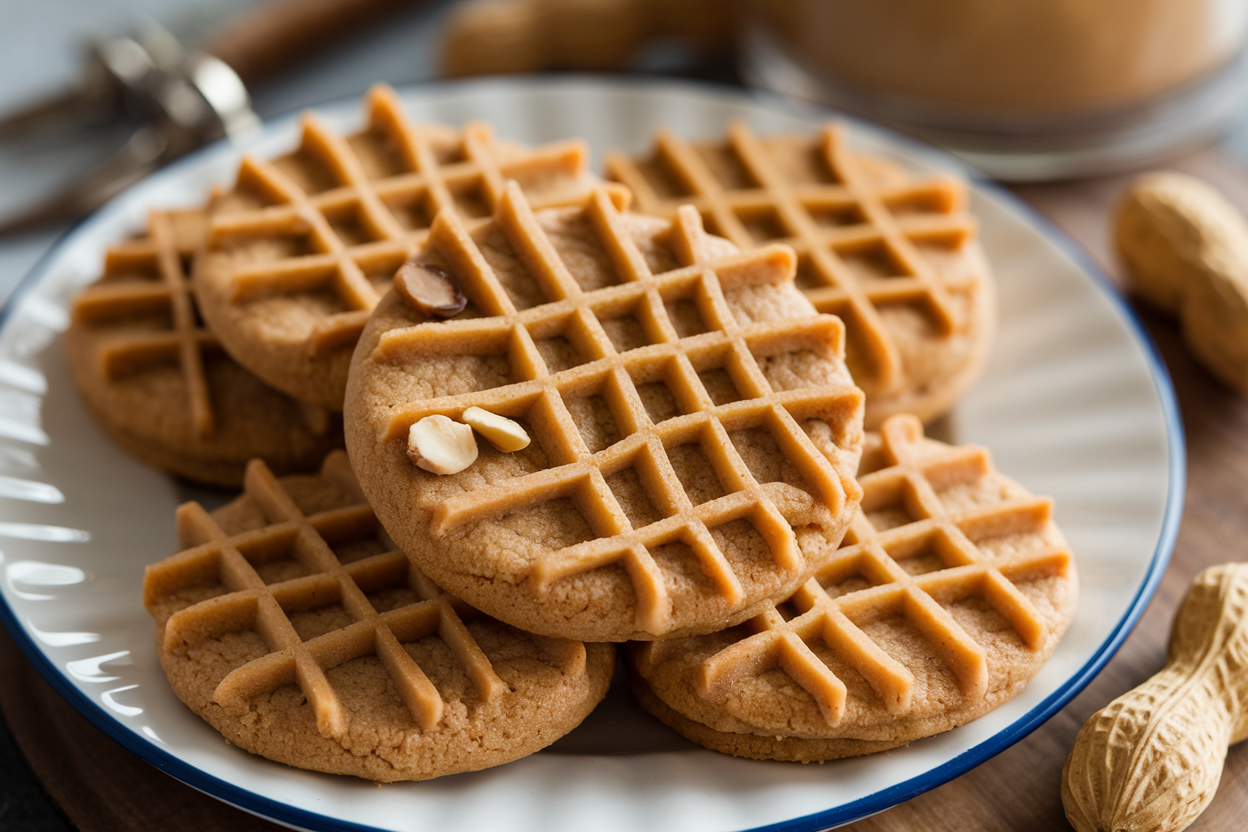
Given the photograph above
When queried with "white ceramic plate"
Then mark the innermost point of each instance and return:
(1074, 404)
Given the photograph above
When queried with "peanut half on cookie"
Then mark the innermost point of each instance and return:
(894, 255)
(951, 590)
(694, 430)
(304, 245)
(295, 628)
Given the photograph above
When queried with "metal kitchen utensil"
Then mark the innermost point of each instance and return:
(176, 99)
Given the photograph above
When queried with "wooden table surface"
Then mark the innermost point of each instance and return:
(101, 787)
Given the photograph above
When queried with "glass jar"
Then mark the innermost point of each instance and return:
(1022, 89)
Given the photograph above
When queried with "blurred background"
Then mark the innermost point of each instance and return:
(1040, 90)
(45, 50)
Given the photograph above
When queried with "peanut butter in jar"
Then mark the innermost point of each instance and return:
(984, 74)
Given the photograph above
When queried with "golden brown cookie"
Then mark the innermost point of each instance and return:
(158, 380)
(694, 429)
(295, 628)
(952, 588)
(302, 248)
(893, 255)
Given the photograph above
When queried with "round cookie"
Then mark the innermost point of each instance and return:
(304, 245)
(159, 382)
(893, 255)
(951, 590)
(292, 626)
(753, 746)
(694, 428)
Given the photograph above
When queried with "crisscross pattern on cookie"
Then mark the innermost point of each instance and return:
(345, 212)
(714, 378)
(869, 579)
(149, 277)
(250, 603)
(857, 242)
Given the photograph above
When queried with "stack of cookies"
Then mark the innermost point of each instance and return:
(570, 425)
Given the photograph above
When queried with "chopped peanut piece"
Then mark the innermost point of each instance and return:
(429, 290)
(502, 433)
(441, 445)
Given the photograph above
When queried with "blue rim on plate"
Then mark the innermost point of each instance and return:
(844, 813)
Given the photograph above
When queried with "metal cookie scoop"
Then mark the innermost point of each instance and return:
(178, 100)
